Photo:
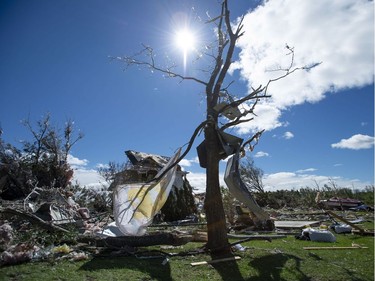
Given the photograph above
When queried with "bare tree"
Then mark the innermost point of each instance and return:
(43, 160)
(220, 104)
(109, 171)
(251, 175)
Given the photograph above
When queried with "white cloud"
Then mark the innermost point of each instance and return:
(198, 181)
(306, 170)
(185, 163)
(188, 163)
(261, 154)
(355, 142)
(340, 34)
(267, 117)
(288, 135)
(281, 180)
(289, 180)
(88, 177)
(74, 161)
(100, 165)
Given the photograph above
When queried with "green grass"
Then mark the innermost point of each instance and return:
(281, 259)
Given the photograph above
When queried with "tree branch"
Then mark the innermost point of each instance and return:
(254, 137)
(289, 69)
(132, 60)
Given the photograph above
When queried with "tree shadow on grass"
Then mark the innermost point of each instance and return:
(269, 267)
(228, 271)
(153, 267)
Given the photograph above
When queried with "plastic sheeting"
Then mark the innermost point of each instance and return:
(318, 235)
(136, 204)
(239, 190)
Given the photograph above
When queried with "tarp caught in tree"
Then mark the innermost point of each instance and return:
(136, 204)
(239, 189)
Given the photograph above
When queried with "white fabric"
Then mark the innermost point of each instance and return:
(136, 204)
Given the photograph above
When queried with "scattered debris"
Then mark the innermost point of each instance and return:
(17, 254)
(361, 231)
(245, 238)
(239, 247)
(6, 235)
(64, 249)
(215, 261)
(339, 203)
(295, 224)
(165, 261)
(341, 228)
(316, 235)
(84, 233)
(362, 208)
(79, 256)
(33, 219)
(333, 248)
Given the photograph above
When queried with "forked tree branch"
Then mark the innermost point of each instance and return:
(133, 60)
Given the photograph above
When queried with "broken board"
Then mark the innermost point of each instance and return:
(215, 261)
(295, 224)
(334, 248)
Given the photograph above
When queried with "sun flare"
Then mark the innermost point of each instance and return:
(185, 40)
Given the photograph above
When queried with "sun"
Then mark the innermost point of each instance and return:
(185, 40)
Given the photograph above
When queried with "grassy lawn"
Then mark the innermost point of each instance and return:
(281, 259)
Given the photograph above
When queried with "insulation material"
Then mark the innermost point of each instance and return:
(136, 204)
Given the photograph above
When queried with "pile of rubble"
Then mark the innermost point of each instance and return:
(50, 225)
(43, 215)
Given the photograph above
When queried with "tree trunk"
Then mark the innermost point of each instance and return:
(216, 225)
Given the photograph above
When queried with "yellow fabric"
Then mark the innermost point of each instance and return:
(136, 204)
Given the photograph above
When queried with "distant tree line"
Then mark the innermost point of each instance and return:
(296, 198)
(302, 198)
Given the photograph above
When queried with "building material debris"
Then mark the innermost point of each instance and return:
(334, 248)
(215, 261)
(140, 192)
(295, 224)
(317, 235)
(361, 230)
(339, 203)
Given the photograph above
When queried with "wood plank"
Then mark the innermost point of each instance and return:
(295, 224)
(346, 221)
(256, 237)
(215, 261)
(334, 248)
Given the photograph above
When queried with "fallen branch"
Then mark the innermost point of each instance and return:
(137, 241)
(254, 237)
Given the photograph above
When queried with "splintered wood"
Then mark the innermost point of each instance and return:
(215, 261)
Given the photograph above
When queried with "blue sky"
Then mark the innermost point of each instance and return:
(54, 57)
